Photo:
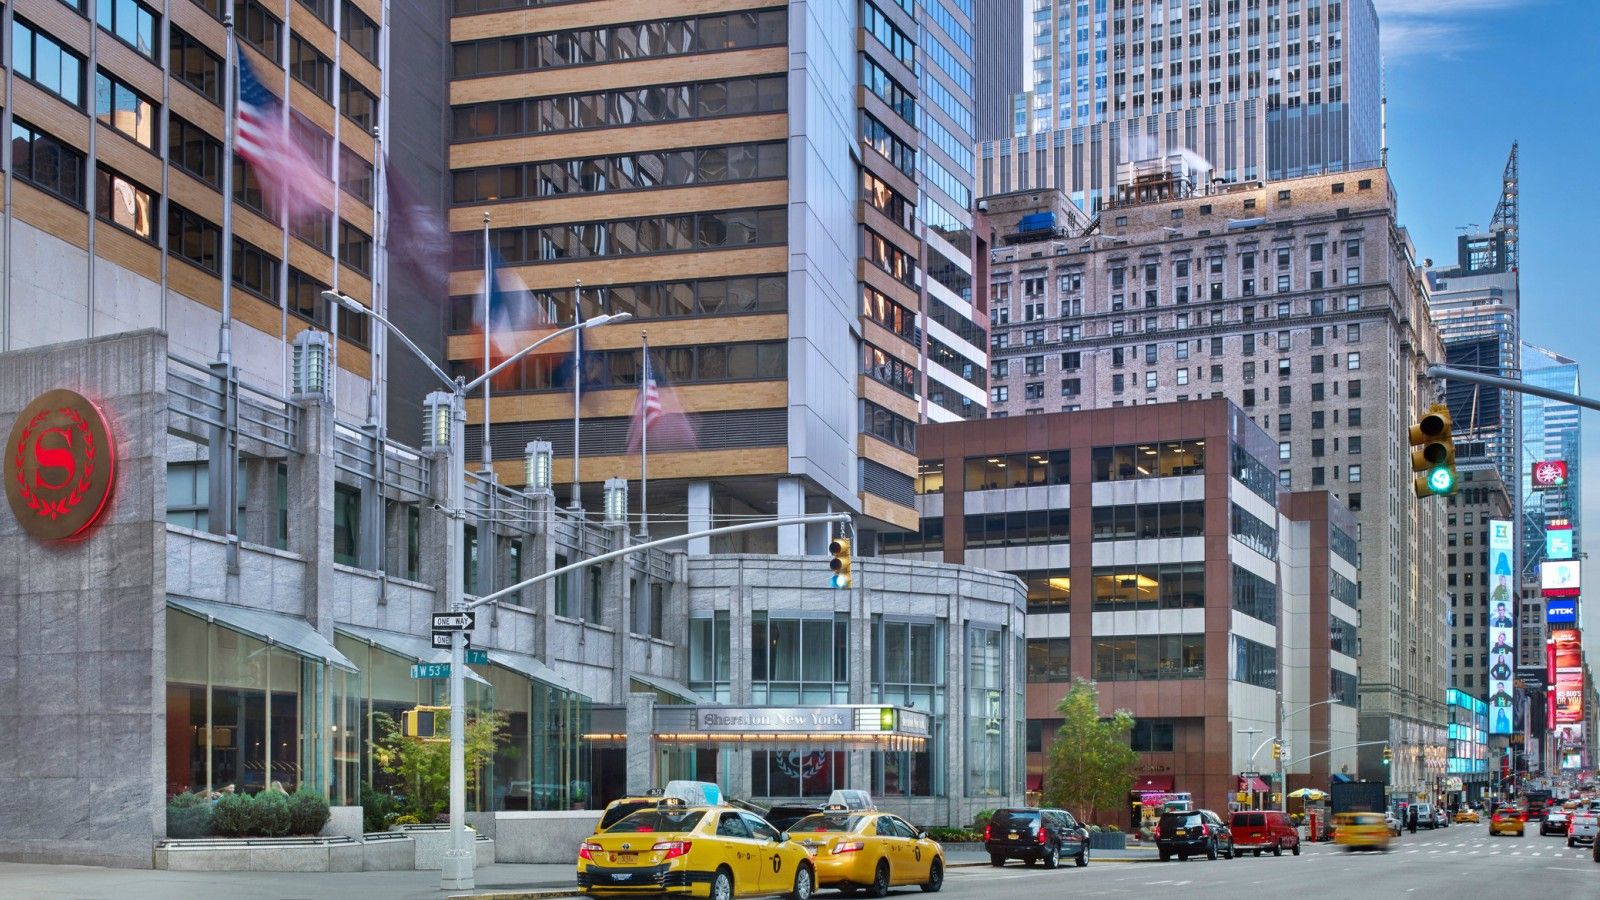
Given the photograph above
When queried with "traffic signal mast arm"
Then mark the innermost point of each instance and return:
(1511, 384)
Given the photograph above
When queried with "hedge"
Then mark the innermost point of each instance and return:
(267, 814)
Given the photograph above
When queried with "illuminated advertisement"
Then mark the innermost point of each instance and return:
(1557, 541)
(1502, 626)
(1561, 611)
(1566, 662)
(1549, 473)
(1560, 578)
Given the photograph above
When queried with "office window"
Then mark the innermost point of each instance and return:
(1317, 391)
(46, 163)
(259, 28)
(355, 248)
(132, 22)
(1149, 657)
(124, 204)
(1254, 663)
(357, 103)
(1353, 473)
(355, 174)
(193, 238)
(1353, 444)
(39, 58)
(1353, 390)
(305, 298)
(316, 229)
(124, 109)
(195, 65)
(1353, 360)
(359, 31)
(310, 67)
(1283, 449)
(1353, 332)
(317, 143)
(255, 270)
(192, 149)
(1147, 586)
(322, 9)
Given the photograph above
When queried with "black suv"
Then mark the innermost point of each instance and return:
(1033, 834)
(1193, 832)
(786, 814)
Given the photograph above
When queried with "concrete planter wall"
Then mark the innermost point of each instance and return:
(433, 840)
(340, 854)
(343, 821)
(542, 837)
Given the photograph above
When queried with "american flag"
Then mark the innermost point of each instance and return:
(291, 182)
(658, 415)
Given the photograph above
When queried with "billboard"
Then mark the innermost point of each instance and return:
(1558, 542)
(1502, 626)
(1549, 473)
(1566, 666)
(1560, 578)
(1561, 611)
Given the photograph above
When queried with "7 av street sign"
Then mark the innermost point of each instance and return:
(456, 621)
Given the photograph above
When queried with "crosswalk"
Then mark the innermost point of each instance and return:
(1483, 845)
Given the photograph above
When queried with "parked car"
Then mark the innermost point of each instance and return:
(1195, 832)
(1260, 830)
(1441, 818)
(786, 814)
(1393, 821)
(1425, 818)
(1035, 835)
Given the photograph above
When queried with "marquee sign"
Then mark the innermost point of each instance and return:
(60, 465)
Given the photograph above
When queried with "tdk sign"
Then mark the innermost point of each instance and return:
(1561, 612)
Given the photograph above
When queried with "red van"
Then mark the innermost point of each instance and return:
(1264, 829)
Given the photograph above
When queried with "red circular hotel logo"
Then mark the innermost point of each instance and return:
(59, 464)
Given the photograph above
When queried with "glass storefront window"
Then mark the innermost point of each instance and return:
(796, 773)
(709, 657)
(799, 660)
(908, 670)
(985, 713)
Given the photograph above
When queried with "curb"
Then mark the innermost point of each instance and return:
(1092, 861)
(520, 895)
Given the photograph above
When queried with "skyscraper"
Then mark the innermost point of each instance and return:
(1257, 91)
(779, 193)
(1551, 430)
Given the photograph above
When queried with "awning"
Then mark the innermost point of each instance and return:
(1035, 783)
(532, 667)
(407, 645)
(1341, 778)
(1160, 783)
(1253, 784)
(669, 687)
(289, 632)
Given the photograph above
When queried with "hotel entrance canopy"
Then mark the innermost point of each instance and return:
(872, 727)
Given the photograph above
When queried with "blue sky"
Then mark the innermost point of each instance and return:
(1465, 79)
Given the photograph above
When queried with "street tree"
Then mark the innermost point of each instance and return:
(423, 765)
(1091, 762)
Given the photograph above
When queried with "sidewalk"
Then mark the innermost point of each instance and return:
(503, 880)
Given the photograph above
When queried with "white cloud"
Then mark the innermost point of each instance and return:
(1442, 28)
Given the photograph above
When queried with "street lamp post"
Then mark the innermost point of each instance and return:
(446, 429)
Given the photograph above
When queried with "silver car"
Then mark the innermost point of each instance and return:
(1583, 824)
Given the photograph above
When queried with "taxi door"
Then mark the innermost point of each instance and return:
(896, 848)
(776, 877)
(739, 852)
(918, 852)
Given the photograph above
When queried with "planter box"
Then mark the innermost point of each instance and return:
(433, 840)
(1108, 840)
(546, 836)
(339, 854)
(343, 821)
(388, 851)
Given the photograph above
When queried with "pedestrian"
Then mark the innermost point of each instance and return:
(1411, 820)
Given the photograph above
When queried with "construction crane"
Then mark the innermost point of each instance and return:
(1505, 214)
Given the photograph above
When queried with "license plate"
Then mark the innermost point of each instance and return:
(627, 857)
(1011, 837)
(1181, 832)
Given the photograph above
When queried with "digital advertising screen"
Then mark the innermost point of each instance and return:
(1502, 627)
(1561, 612)
(1558, 541)
(1559, 578)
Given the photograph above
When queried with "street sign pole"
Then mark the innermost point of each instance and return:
(457, 872)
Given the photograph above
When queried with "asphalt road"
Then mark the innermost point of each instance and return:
(1460, 861)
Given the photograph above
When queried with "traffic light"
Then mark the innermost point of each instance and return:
(840, 564)
(1388, 756)
(1434, 453)
(419, 722)
(1277, 750)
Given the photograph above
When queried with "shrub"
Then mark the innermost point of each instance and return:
(951, 835)
(1112, 828)
(308, 812)
(188, 816)
(982, 818)
(376, 809)
(406, 820)
(269, 814)
(233, 815)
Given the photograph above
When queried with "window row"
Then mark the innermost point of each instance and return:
(794, 661)
(928, 538)
(1342, 637)
(1254, 533)
(1255, 596)
(1153, 460)
(629, 106)
(1254, 474)
(1343, 544)
(894, 429)
(1036, 526)
(1343, 589)
(716, 230)
(653, 300)
(1149, 657)
(39, 58)
(1148, 521)
(1150, 586)
(1048, 592)
(625, 172)
(615, 43)
(886, 368)
(877, 307)
(1254, 663)
(1009, 470)
(1050, 660)
(705, 364)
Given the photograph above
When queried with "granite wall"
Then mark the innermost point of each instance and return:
(83, 627)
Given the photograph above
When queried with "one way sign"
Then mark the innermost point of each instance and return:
(441, 639)
(456, 621)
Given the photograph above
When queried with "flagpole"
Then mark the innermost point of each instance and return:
(577, 390)
(230, 114)
(644, 440)
(488, 288)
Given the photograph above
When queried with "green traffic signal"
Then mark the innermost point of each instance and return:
(1441, 480)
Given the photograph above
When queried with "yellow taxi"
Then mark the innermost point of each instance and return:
(1467, 817)
(714, 851)
(620, 809)
(1508, 820)
(1361, 830)
(855, 847)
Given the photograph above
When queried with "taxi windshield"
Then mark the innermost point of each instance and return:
(832, 822)
(658, 820)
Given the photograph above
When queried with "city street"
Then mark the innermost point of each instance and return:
(1462, 860)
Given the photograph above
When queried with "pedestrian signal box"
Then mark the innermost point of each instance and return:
(419, 722)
